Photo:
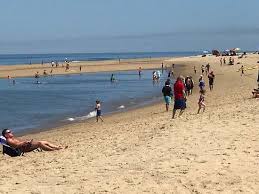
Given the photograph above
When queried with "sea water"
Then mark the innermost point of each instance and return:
(62, 99)
(13, 59)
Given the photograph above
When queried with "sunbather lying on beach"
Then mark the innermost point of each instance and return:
(27, 146)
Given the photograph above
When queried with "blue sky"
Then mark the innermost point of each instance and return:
(54, 26)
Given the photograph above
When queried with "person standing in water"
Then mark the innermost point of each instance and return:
(37, 76)
(139, 71)
(112, 78)
(98, 111)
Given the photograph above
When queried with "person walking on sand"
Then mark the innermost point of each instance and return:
(179, 96)
(221, 61)
(207, 68)
(37, 75)
(201, 83)
(202, 69)
(80, 68)
(167, 92)
(188, 85)
(194, 68)
(242, 70)
(45, 73)
(98, 111)
(67, 66)
(201, 101)
(211, 77)
(192, 84)
(28, 146)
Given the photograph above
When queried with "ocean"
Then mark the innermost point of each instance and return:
(62, 99)
(13, 59)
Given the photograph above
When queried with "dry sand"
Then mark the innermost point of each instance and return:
(145, 151)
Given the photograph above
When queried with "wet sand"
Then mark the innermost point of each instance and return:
(88, 66)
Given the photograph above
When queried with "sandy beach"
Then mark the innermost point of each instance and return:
(144, 150)
(74, 67)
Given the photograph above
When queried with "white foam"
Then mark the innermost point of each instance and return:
(70, 119)
(121, 107)
(76, 61)
(91, 114)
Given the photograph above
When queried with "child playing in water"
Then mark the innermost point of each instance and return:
(98, 111)
(201, 101)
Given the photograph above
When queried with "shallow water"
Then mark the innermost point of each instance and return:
(68, 98)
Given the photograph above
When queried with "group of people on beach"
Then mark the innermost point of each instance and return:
(179, 94)
(183, 87)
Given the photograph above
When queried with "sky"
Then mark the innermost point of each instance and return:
(89, 26)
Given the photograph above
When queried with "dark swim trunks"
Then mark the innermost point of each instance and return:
(179, 104)
(99, 113)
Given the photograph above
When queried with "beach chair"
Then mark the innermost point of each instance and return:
(9, 150)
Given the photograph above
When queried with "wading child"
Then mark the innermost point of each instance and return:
(98, 111)
(201, 101)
